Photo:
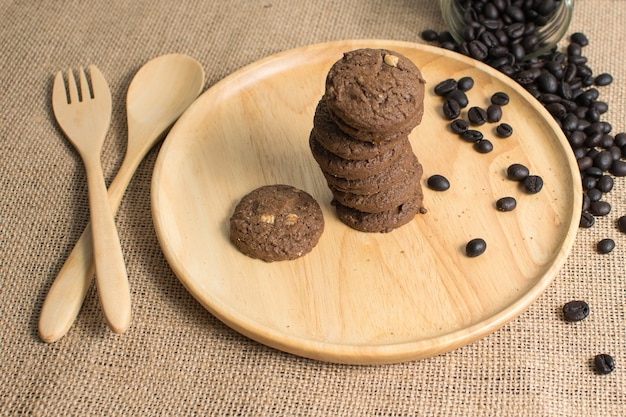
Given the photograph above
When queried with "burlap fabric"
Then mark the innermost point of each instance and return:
(177, 359)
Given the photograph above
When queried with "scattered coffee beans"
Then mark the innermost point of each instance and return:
(506, 204)
(517, 172)
(502, 35)
(533, 184)
(475, 247)
(576, 310)
(621, 224)
(438, 182)
(605, 246)
(604, 364)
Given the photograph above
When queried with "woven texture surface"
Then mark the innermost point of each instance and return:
(177, 359)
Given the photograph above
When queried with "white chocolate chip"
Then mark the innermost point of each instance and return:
(267, 218)
(291, 219)
(391, 60)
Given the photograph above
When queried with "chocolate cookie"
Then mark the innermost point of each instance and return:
(375, 183)
(355, 169)
(384, 200)
(379, 138)
(276, 223)
(381, 222)
(335, 140)
(375, 90)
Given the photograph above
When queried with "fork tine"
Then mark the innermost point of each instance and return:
(59, 94)
(72, 87)
(99, 84)
(84, 86)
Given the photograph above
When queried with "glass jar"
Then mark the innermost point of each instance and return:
(545, 22)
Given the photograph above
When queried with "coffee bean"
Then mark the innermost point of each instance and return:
(478, 50)
(472, 135)
(547, 82)
(604, 364)
(589, 182)
(600, 208)
(593, 194)
(429, 35)
(533, 184)
(603, 159)
(587, 220)
(483, 146)
(605, 183)
(438, 182)
(618, 168)
(500, 98)
(465, 83)
(517, 172)
(605, 246)
(506, 204)
(579, 38)
(494, 113)
(574, 49)
(458, 96)
(504, 130)
(451, 109)
(620, 139)
(459, 126)
(576, 310)
(585, 163)
(477, 116)
(475, 247)
(445, 87)
(604, 79)
(621, 224)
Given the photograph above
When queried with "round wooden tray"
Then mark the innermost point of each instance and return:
(364, 298)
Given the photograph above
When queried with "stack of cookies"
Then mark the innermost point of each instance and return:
(373, 100)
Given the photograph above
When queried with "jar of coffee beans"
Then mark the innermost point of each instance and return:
(496, 29)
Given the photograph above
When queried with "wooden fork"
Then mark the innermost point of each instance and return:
(84, 117)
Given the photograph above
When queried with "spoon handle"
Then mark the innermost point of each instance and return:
(70, 287)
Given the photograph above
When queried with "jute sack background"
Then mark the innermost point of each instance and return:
(177, 359)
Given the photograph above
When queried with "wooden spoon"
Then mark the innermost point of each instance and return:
(158, 94)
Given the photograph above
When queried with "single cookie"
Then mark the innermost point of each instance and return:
(384, 200)
(381, 222)
(379, 137)
(335, 140)
(375, 90)
(355, 169)
(276, 223)
(375, 183)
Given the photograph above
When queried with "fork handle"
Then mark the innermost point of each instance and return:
(111, 277)
(67, 293)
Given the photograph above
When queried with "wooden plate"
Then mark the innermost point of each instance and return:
(364, 298)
